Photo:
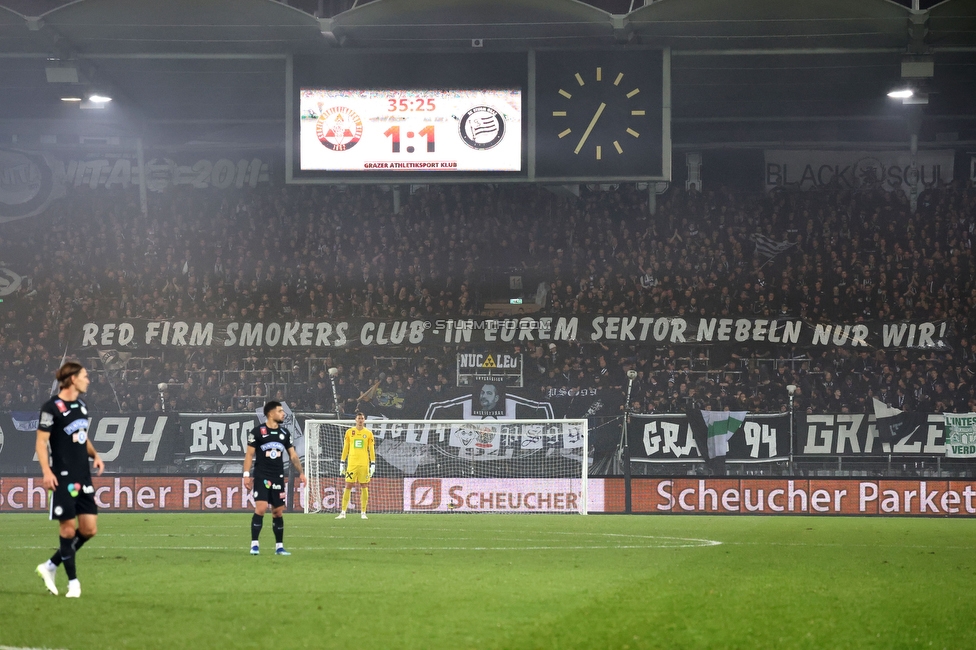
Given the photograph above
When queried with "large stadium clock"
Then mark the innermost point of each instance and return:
(600, 115)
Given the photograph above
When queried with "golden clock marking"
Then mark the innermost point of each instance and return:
(599, 112)
(586, 133)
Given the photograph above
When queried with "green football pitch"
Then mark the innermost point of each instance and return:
(497, 581)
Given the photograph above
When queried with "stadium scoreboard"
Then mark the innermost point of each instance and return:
(411, 129)
(541, 116)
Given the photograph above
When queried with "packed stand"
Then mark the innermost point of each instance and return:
(331, 253)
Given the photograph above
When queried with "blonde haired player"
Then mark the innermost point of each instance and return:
(358, 449)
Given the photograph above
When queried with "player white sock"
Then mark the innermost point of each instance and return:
(51, 566)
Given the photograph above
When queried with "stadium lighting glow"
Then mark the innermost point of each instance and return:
(99, 99)
(71, 99)
(901, 93)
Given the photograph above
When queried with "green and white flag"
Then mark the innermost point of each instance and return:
(960, 435)
(721, 425)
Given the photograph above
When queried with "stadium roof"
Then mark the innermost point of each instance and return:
(744, 73)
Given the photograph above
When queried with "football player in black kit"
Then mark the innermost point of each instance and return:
(266, 446)
(63, 423)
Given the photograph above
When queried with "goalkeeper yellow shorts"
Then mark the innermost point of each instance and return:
(357, 474)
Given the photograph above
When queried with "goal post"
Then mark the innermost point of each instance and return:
(497, 466)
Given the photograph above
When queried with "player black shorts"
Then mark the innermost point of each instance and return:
(270, 490)
(71, 499)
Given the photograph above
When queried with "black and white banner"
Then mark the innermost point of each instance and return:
(205, 442)
(135, 442)
(361, 333)
(216, 436)
(859, 435)
(887, 170)
(670, 438)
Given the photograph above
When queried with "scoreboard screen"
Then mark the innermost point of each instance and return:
(551, 115)
(392, 131)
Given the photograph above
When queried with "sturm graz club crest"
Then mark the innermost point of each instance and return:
(482, 127)
(339, 128)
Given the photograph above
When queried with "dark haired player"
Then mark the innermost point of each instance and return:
(63, 423)
(266, 446)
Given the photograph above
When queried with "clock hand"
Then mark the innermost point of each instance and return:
(586, 133)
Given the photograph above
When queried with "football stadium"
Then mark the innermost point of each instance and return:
(505, 324)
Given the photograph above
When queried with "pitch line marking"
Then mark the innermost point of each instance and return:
(663, 543)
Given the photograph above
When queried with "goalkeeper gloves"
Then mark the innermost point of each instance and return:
(372, 468)
(342, 468)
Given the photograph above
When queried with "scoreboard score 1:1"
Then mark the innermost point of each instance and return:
(410, 130)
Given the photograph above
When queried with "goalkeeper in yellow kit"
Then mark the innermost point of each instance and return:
(358, 449)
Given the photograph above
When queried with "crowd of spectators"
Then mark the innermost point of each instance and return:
(317, 253)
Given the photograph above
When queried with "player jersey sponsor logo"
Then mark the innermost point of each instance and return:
(76, 426)
(273, 450)
(359, 443)
(74, 489)
(62, 407)
(264, 431)
(267, 484)
(88, 489)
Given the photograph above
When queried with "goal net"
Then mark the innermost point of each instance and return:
(502, 466)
